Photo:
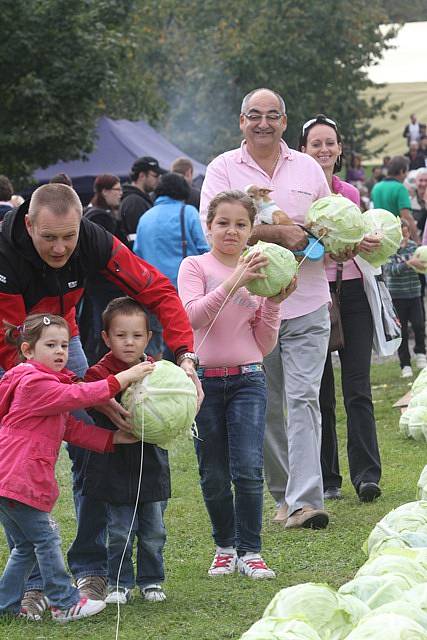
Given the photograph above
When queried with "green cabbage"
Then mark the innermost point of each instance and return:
(402, 608)
(281, 268)
(386, 227)
(420, 383)
(422, 485)
(417, 423)
(163, 404)
(280, 628)
(398, 562)
(375, 591)
(419, 399)
(417, 595)
(421, 254)
(403, 527)
(331, 614)
(387, 626)
(338, 221)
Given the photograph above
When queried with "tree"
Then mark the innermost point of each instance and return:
(309, 52)
(60, 61)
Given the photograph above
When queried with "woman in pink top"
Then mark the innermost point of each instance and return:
(35, 399)
(233, 330)
(321, 139)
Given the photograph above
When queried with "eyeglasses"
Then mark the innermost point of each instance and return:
(272, 116)
(318, 120)
(115, 189)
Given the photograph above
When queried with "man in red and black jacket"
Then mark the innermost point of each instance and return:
(47, 250)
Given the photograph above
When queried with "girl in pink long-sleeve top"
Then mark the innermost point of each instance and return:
(35, 399)
(233, 331)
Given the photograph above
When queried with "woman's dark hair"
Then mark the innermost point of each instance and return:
(321, 119)
(6, 189)
(104, 181)
(173, 185)
(232, 197)
(31, 329)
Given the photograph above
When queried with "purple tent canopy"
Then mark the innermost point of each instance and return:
(118, 144)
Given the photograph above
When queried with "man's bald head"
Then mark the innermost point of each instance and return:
(248, 96)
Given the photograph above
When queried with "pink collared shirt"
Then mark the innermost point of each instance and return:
(297, 182)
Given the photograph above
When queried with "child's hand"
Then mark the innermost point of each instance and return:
(247, 269)
(120, 437)
(135, 373)
(416, 263)
(285, 293)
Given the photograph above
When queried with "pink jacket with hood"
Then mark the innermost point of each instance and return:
(34, 420)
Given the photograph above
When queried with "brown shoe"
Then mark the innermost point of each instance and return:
(308, 518)
(93, 587)
(282, 514)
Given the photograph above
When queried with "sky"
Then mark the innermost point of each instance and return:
(407, 62)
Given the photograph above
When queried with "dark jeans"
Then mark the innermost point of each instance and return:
(151, 533)
(231, 424)
(410, 310)
(362, 445)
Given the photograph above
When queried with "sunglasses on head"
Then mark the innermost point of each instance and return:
(318, 120)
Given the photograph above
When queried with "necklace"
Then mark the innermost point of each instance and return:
(273, 169)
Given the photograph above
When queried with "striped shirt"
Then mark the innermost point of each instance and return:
(402, 281)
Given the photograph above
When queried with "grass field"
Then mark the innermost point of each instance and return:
(203, 608)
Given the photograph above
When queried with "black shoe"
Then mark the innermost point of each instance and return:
(368, 491)
(332, 493)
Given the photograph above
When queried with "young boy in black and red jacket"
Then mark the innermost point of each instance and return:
(115, 478)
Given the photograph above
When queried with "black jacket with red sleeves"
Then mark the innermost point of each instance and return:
(29, 285)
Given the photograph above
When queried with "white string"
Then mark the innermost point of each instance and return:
(131, 524)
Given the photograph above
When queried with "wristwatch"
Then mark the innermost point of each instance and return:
(190, 356)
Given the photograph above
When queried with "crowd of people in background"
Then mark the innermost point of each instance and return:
(264, 365)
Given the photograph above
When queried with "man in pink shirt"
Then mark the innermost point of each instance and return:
(294, 368)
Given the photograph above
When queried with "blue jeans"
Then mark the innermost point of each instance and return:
(151, 534)
(35, 537)
(231, 425)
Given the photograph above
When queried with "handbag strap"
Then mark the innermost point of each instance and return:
(183, 238)
(339, 277)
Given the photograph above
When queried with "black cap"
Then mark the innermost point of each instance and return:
(147, 163)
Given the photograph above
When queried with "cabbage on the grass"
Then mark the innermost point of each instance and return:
(387, 626)
(402, 608)
(279, 628)
(386, 227)
(420, 383)
(337, 221)
(422, 484)
(421, 254)
(404, 563)
(331, 614)
(282, 267)
(161, 405)
(375, 591)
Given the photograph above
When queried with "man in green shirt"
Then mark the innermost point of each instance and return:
(392, 195)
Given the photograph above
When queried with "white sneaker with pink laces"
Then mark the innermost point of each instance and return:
(224, 562)
(82, 609)
(253, 566)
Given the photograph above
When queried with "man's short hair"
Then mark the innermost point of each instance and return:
(182, 165)
(396, 165)
(249, 95)
(6, 189)
(61, 178)
(124, 306)
(58, 198)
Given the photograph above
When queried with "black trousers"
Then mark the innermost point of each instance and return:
(410, 310)
(362, 445)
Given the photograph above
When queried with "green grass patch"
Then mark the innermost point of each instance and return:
(203, 608)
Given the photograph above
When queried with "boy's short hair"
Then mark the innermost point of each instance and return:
(125, 306)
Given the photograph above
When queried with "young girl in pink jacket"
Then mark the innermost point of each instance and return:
(233, 331)
(36, 397)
